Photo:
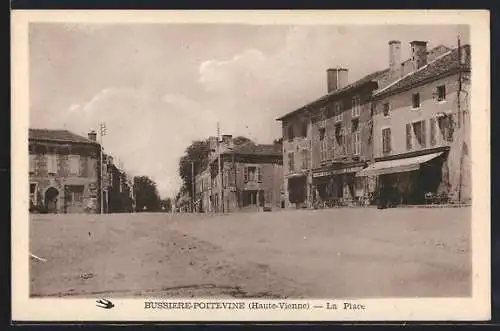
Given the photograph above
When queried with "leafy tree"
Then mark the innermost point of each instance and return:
(240, 140)
(146, 194)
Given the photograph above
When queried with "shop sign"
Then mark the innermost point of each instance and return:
(337, 172)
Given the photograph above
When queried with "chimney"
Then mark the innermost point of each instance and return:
(394, 56)
(336, 78)
(92, 135)
(418, 54)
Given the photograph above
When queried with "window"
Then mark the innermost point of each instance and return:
(84, 162)
(32, 163)
(259, 174)
(356, 143)
(74, 193)
(339, 134)
(386, 109)
(356, 108)
(441, 93)
(415, 100)
(419, 131)
(52, 164)
(74, 164)
(305, 159)
(291, 163)
(338, 112)
(303, 129)
(386, 140)
(245, 175)
(432, 123)
(33, 194)
(322, 121)
(323, 150)
(446, 127)
(408, 137)
(290, 132)
(355, 125)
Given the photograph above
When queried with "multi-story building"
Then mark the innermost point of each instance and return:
(243, 177)
(421, 129)
(326, 142)
(119, 198)
(63, 172)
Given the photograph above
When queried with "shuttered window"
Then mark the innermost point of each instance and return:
(408, 137)
(386, 140)
(432, 123)
(245, 175)
(259, 175)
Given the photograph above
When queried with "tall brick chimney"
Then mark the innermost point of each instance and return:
(418, 54)
(336, 78)
(395, 57)
(92, 135)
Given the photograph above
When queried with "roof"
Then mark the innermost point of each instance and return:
(357, 84)
(258, 149)
(58, 135)
(442, 65)
(373, 77)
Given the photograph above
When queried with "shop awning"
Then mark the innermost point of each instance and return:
(396, 166)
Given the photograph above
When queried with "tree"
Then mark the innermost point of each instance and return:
(146, 194)
(240, 140)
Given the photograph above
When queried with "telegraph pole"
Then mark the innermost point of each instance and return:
(192, 186)
(102, 133)
(221, 198)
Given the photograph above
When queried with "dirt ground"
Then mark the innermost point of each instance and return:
(348, 253)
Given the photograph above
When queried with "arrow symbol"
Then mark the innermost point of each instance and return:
(103, 303)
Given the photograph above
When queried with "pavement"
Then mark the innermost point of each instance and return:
(329, 253)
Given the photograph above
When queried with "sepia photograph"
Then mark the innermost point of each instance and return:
(255, 166)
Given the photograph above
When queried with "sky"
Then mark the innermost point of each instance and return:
(158, 87)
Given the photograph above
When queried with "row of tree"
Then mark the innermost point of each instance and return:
(147, 197)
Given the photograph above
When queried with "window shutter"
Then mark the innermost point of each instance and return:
(259, 175)
(432, 123)
(408, 136)
(245, 174)
(424, 133)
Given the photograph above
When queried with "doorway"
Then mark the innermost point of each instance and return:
(51, 196)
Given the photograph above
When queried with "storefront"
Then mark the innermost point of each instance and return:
(409, 180)
(297, 190)
(339, 184)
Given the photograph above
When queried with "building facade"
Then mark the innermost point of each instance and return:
(328, 141)
(63, 172)
(421, 130)
(250, 177)
(118, 190)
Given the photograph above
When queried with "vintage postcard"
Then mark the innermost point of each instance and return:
(250, 165)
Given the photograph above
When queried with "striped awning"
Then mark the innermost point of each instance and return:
(397, 166)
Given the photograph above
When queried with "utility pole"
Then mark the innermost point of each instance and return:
(459, 119)
(102, 133)
(192, 185)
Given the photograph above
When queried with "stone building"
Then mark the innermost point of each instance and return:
(63, 172)
(421, 130)
(326, 142)
(251, 177)
(119, 191)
